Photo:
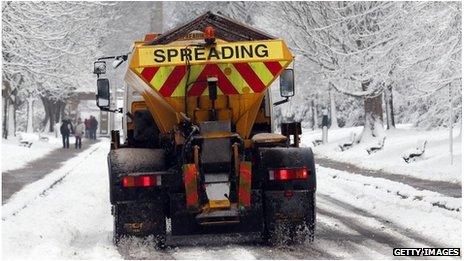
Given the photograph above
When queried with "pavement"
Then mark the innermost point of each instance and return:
(15, 180)
(442, 187)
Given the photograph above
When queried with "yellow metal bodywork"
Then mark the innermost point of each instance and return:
(219, 204)
(241, 107)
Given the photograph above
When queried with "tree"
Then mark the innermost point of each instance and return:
(361, 48)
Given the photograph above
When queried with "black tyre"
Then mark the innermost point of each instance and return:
(279, 230)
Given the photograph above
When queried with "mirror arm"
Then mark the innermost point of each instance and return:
(128, 114)
(110, 110)
(281, 102)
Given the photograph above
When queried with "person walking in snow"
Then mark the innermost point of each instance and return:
(78, 132)
(93, 127)
(64, 130)
(87, 128)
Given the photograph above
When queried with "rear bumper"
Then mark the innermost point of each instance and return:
(183, 222)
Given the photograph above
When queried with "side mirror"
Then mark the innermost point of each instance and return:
(287, 87)
(103, 94)
(99, 67)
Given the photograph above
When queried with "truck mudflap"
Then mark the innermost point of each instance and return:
(289, 216)
(291, 205)
(138, 219)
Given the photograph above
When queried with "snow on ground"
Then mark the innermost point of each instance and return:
(15, 156)
(67, 215)
(434, 164)
(413, 210)
(72, 219)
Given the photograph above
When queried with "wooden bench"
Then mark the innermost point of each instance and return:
(25, 143)
(349, 144)
(376, 148)
(317, 142)
(418, 152)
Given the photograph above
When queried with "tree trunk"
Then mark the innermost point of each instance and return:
(5, 118)
(389, 108)
(314, 105)
(11, 119)
(54, 110)
(373, 115)
(333, 110)
(310, 114)
(392, 114)
(30, 104)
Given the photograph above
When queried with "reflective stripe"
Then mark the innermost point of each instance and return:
(160, 77)
(250, 77)
(172, 81)
(233, 78)
(224, 84)
(190, 182)
(148, 73)
(194, 73)
(262, 72)
(244, 189)
(273, 67)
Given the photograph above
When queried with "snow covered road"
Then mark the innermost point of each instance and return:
(67, 215)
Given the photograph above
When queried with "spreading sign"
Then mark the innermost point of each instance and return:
(253, 51)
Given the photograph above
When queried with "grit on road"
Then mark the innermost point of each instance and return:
(67, 215)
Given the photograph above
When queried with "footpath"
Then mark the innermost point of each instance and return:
(14, 180)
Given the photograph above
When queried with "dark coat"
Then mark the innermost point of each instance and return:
(93, 124)
(64, 130)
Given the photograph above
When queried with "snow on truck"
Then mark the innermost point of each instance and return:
(199, 147)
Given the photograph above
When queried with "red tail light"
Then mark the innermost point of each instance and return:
(141, 181)
(288, 173)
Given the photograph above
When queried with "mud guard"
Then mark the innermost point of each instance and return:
(289, 206)
(139, 219)
(279, 157)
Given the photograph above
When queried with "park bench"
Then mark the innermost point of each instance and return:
(418, 152)
(349, 144)
(25, 143)
(317, 142)
(377, 147)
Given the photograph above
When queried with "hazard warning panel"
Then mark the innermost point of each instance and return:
(241, 67)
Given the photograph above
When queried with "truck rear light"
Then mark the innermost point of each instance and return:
(141, 181)
(288, 173)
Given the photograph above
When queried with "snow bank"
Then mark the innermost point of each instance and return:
(413, 210)
(69, 220)
(433, 165)
(15, 156)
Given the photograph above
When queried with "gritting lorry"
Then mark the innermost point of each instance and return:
(199, 143)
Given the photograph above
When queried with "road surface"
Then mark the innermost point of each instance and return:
(442, 187)
(67, 215)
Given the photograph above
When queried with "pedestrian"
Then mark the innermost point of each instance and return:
(70, 126)
(87, 128)
(64, 130)
(93, 127)
(79, 131)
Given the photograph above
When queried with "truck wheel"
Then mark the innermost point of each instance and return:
(139, 219)
(278, 231)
